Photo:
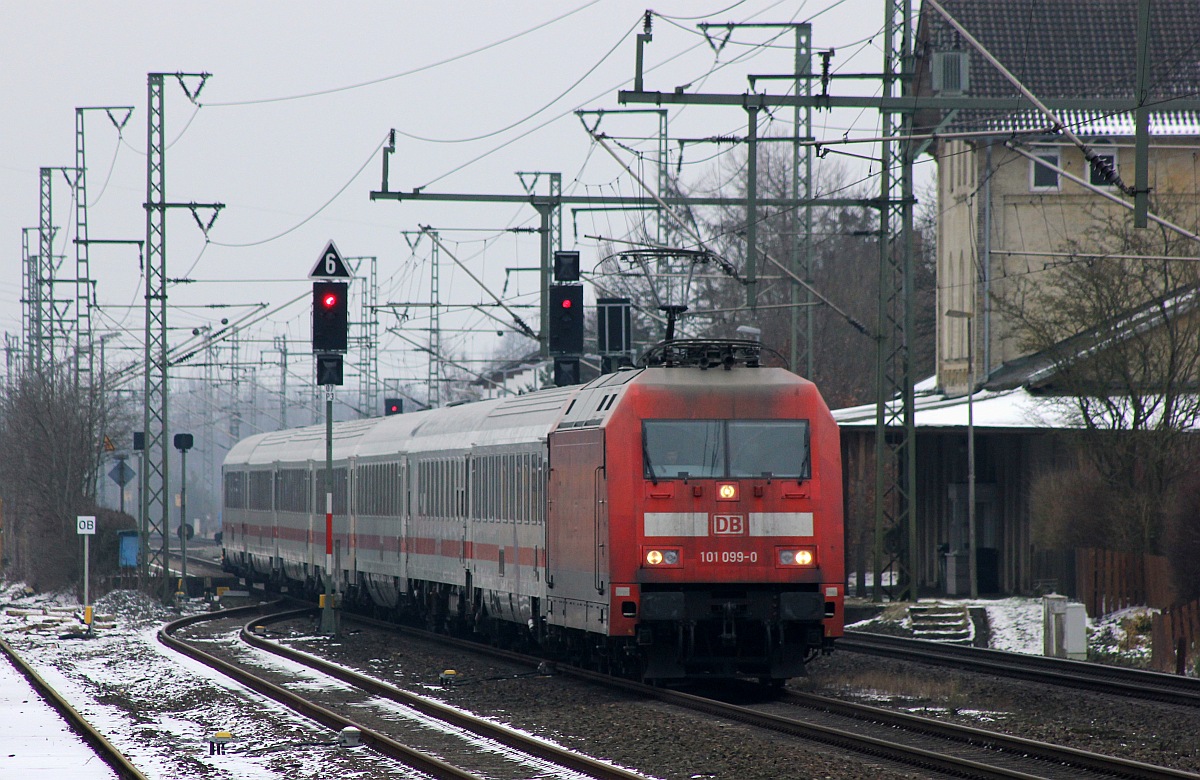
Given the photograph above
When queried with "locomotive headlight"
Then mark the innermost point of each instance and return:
(798, 557)
(662, 557)
(727, 491)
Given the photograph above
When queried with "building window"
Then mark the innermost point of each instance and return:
(1042, 178)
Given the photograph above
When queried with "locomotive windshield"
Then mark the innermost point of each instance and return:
(696, 449)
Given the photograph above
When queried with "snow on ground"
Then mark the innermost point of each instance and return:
(35, 742)
(1015, 624)
(1122, 636)
(158, 707)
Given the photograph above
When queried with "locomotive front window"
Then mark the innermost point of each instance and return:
(678, 449)
(696, 449)
(776, 448)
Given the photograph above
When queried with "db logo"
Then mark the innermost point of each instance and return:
(729, 525)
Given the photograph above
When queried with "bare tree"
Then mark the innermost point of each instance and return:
(46, 474)
(1118, 323)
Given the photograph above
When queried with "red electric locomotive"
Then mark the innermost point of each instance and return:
(678, 520)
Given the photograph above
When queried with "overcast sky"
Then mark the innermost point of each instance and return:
(290, 125)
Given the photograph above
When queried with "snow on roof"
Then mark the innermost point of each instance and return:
(1015, 408)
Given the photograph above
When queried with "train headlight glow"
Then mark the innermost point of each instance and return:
(662, 557)
(800, 557)
(727, 491)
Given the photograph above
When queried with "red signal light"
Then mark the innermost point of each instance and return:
(566, 304)
(330, 300)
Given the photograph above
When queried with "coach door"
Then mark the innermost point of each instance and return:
(404, 510)
(600, 524)
(577, 523)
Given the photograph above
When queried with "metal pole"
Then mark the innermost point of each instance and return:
(183, 517)
(143, 528)
(121, 485)
(86, 576)
(328, 621)
(752, 208)
(971, 562)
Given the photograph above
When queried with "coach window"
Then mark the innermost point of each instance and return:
(493, 488)
(261, 490)
(460, 486)
(540, 489)
(489, 489)
(235, 489)
(523, 488)
(440, 487)
(399, 492)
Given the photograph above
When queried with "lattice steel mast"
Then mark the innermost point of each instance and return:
(84, 336)
(368, 343)
(155, 470)
(895, 431)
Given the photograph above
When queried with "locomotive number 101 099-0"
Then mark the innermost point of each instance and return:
(728, 556)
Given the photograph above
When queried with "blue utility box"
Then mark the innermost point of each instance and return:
(128, 551)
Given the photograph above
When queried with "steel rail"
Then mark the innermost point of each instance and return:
(373, 739)
(1045, 751)
(1134, 683)
(483, 728)
(850, 740)
(860, 743)
(105, 749)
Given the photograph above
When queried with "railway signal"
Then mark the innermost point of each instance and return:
(329, 370)
(566, 319)
(566, 371)
(566, 266)
(183, 442)
(393, 406)
(329, 340)
(329, 323)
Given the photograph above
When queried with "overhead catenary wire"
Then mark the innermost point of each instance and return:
(411, 72)
(861, 328)
(521, 327)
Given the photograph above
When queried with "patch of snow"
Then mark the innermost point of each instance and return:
(35, 742)
(1015, 624)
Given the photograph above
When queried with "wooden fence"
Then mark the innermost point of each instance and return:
(1176, 637)
(1108, 580)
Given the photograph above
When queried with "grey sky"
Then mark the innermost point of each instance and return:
(279, 165)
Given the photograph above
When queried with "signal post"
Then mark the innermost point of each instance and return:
(329, 340)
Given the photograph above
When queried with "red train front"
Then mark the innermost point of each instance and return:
(695, 517)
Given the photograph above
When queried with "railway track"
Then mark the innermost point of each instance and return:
(1111, 680)
(924, 743)
(508, 754)
(104, 749)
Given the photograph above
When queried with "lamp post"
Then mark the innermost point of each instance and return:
(972, 570)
